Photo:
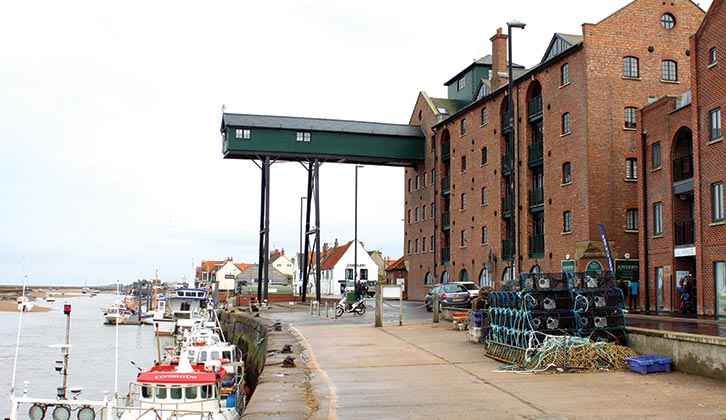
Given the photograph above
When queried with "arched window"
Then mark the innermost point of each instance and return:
(429, 279)
(565, 74)
(567, 221)
(484, 279)
(669, 70)
(566, 123)
(631, 67)
(445, 277)
(464, 275)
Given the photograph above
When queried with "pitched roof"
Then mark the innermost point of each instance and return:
(242, 266)
(333, 256)
(397, 265)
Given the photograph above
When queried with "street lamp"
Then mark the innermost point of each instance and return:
(355, 233)
(510, 149)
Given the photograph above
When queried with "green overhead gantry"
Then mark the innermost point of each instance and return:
(312, 141)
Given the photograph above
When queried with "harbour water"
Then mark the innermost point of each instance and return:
(93, 364)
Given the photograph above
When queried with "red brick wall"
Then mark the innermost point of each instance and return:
(596, 147)
(709, 93)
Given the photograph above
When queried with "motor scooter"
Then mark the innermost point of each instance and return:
(358, 307)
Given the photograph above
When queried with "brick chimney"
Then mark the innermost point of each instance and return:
(336, 243)
(326, 247)
(499, 60)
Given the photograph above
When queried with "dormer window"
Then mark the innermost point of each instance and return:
(461, 83)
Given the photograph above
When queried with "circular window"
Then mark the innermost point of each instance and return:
(668, 21)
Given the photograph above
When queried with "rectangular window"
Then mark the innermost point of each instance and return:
(418, 182)
(657, 219)
(631, 168)
(408, 248)
(484, 235)
(632, 219)
(415, 249)
(484, 156)
(463, 239)
(565, 123)
(409, 216)
(433, 142)
(431, 243)
(303, 136)
(425, 179)
(484, 196)
(364, 274)
(409, 184)
(715, 124)
(424, 213)
(349, 272)
(461, 83)
(463, 201)
(416, 218)
(712, 56)
(242, 133)
(484, 116)
(655, 154)
(669, 70)
(433, 176)
(433, 210)
(565, 79)
(566, 173)
(463, 164)
(423, 244)
(463, 126)
(631, 114)
(717, 202)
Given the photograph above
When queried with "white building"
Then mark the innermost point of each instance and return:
(338, 264)
(226, 274)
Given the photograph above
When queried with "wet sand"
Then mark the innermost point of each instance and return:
(10, 306)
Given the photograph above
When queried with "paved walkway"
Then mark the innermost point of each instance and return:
(423, 370)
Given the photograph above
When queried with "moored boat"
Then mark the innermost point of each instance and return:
(181, 392)
(24, 304)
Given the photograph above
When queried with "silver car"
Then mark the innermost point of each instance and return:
(450, 295)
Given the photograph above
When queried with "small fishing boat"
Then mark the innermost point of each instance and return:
(180, 392)
(116, 313)
(24, 304)
(49, 298)
(184, 308)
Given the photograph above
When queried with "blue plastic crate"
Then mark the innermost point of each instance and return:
(649, 364)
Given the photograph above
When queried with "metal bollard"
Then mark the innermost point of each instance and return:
(326, 309)
(436, 308)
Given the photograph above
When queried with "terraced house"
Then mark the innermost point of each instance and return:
(568, 148)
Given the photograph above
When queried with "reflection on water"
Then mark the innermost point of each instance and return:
(93, 360)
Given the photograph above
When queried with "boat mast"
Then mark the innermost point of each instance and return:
(65, 350)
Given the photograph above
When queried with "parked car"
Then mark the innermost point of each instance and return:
(472, 287)
(450, 295)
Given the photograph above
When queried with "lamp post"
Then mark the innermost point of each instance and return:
(355, 234)
(510, 150)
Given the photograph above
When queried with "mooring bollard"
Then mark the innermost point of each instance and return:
(435, 303)
(326, 309)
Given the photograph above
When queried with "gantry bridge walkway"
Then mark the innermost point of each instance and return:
(313, 141)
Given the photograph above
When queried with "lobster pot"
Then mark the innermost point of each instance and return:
(605, 335)
(504, 300)
(548, 301)
(544, 281)
(557, 321)
(596, 299)
(592, 280)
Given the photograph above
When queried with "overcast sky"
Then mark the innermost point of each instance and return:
(110, 152)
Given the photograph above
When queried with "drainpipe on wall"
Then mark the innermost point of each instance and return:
(644, 151)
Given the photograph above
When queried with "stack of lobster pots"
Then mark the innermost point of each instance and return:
(587, 305)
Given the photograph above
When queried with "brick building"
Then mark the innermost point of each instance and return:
(683, 235)
(576, 144)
